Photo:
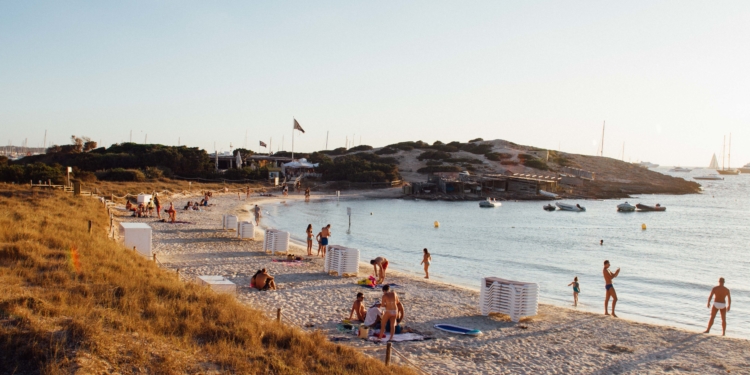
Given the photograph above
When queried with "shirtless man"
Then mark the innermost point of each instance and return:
(608, 276)
(381, 263)
(722, 302)
(390, 303)
(324, 234)
(359, 308)
(264, 281)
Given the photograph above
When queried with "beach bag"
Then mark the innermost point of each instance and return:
(364, 331)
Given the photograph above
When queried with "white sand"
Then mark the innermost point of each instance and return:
(558, 340)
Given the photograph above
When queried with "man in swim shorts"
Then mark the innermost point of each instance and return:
(324, 234)
(609, 288)
(382, 264)
(722, 303)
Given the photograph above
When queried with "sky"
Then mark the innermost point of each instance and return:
(670, 78)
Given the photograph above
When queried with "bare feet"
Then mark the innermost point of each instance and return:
(614, 316)
(706, 331)
(606, 313)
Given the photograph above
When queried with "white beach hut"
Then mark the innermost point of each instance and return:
(137, 235)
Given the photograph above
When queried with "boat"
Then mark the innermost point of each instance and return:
(745, 168)
(728, 171)
(625, 207)
(714, 177)
(680, 169)
(549, 207)
(458, 330)
(643, 207)
(570, 207)
(646, 164)
(490, 203)
(714, 163)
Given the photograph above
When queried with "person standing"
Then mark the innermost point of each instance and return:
(390, 303)
(172, 213)
(247, 192)
(256, 212)
(576, 290)
(379, 264)
(610, 288)
(309, 232)
(426, 258)
(722, 303)
(158, 206)
(324, 234)
(307, 194)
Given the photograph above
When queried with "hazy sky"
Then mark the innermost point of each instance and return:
(670, 78)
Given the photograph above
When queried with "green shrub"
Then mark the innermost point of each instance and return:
(508, 162)
(121, 174)
(386, 151)
(464, 160)
(434, 155)
(439, 168)
(153, 173)
(476, 140)
(497, 156)
(434, 162)
(536, 164)
(360, 148)
(477, 148)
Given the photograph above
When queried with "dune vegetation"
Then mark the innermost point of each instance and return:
(74, 301)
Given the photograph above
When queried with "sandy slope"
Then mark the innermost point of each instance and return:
(558, 340)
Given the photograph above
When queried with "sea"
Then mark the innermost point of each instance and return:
(666, 271)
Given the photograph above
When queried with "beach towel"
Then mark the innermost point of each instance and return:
(399, 337)
(180, 222)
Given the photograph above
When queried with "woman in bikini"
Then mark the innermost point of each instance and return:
(426, 258)
(576, 290)
(309, 239)
(390, 302)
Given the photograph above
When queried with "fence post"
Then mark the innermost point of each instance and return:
(278, 315)
(388, 348)
(154, 258)
(89, 226)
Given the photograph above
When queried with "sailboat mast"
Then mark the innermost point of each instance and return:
(602, 151)
(729, 154)
(723, 152)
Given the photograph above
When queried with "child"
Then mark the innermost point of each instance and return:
(576, 290)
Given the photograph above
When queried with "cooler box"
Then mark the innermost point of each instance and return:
(218, 283)
(143, 198)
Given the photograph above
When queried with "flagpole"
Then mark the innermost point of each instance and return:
(292, 138)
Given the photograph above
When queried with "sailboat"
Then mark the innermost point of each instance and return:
(729, 170)
(714, 163)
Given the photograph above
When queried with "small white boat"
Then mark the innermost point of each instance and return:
(490, 203)
(549, 207)
(570, 207)
(625, 207)
(680, 169)
(745, 169)
(709, 177)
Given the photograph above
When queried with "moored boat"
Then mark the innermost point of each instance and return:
(570, 207)
(549, 207)
(680, 169)
(489, 203)
(625, 207)
(644, 207)
(745, 168)
(709, 177)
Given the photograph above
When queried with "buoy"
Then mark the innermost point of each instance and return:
(437, 224)
(643, 226)
(370, 213)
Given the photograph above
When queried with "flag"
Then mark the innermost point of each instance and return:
(297, 127)
(263, 144)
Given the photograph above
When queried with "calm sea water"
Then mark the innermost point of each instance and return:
(667, 271)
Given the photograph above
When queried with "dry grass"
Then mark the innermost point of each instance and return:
(101, 309)
(119, 189)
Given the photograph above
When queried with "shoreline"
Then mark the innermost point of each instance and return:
(558, 339)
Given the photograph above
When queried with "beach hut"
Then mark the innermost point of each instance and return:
(137, 235)
(218, 283)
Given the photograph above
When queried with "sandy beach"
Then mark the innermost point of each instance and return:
(558, 340)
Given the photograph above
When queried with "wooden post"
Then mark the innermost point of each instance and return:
(278, 315)
(178, 273)
(388, 354)
(89, 226)
(154, 258)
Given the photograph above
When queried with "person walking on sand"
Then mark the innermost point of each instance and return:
(576, 290)
(390, 303)
(426, 258)
(610, 289)
(256, 212)
(722, 303)
(309, 232)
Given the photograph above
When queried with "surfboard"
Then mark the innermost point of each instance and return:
(458, 330)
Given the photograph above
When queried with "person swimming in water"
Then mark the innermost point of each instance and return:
(576, 290)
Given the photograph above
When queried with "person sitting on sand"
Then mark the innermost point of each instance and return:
(426, 258)
(150, 206)
(576, 290)
(390, 303)
(609, 288)
(359, 308)
(189, 206)
(379, 264)
(374, 315)
(172, 213)
(264, 281)
(722, 303)
(129, 206)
